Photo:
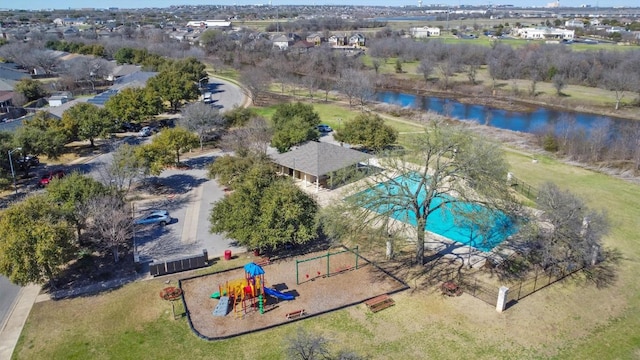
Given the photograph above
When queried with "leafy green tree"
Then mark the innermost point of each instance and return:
(294, 124)
(448, 164)
(124, 55)
(72, 193)
(31, 89)
(174, 87)
(125, 168)
(368, 130)
(43, 134)
(190, 67)
(134, 104)
(86, 121)
(35, 241)
(265, 211)
(229, 170)
(166, 147)
(239, 116)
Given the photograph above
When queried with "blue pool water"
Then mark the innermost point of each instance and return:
(463, 222)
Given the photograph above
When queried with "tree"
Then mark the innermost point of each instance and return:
(72, 193)
(125, 168)
(617, 81)
(202, 119)
(355, 85)
(230, 170)
(257, 81)
(294, 124)
(174, 87)
(87, 122)
(559, 82)
(254, 137)
(305, 346)
(572, 235)
(166, 147)
(453, 168)
(238, 116)
(425, 68)
(35, 241)
(134, 104)
(368, 130)
(264, 211)
(43, 134)
(112, 222)
(31, 89)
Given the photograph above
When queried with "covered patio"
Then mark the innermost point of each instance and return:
(314, 162)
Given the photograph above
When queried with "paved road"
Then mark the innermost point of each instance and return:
(225, 96)
(8, 294)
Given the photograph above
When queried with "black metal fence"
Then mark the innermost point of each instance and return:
(539, 281)
(178, 265)
(481, 290)
(523, 188)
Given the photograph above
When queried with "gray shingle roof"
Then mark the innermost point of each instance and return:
(319, 158)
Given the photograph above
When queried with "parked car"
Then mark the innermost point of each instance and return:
(160, 217)
(324, 128)
(28, 161)
(145, 131)
(130, 127)
(46, 178)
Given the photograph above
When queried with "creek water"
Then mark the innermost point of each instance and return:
(534, 121)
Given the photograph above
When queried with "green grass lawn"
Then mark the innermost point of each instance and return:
(569, 320)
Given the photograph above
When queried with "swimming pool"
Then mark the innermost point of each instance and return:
(463, 222)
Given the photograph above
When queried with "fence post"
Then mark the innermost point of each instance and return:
(328, 256)
(297, 278)
(357, 256)
(501, 304)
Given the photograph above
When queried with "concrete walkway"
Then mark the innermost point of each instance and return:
(10, 334)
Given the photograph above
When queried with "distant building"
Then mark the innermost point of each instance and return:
(424, 32)
(58, 100)
(544, 33)
(575, 23)
(210, 24)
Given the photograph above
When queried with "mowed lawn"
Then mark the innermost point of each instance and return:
(569, 320)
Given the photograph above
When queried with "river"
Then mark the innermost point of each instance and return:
(530, 122)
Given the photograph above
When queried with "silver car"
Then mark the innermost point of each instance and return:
(155, 217)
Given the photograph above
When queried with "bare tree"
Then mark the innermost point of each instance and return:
(257, 81)
(570, 235)
(454, 167)
(356, 85)
(255, 136)
(617, 81)
(306, 346)
(426, 68)
(559, 82)
(202, 119)
(112, 222)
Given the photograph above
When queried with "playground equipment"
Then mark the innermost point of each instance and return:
(313, 268)
(245, 294)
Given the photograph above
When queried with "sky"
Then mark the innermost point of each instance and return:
(124, 4)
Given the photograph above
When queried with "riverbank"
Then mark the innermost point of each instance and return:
(505, 98)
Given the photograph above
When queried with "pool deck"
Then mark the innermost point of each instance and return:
(439, 245)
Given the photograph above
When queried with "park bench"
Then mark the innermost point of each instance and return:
(379, 303)
(295, 314)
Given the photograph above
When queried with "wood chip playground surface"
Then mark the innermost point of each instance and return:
(316, 294)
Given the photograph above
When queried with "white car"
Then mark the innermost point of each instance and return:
(145, 131)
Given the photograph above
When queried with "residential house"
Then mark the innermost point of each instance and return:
(281, 42)
(210, 24)
(122, 70)
(424, 32)
(303, 46)
(357, 40)
(338, 40)
(316, 38)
